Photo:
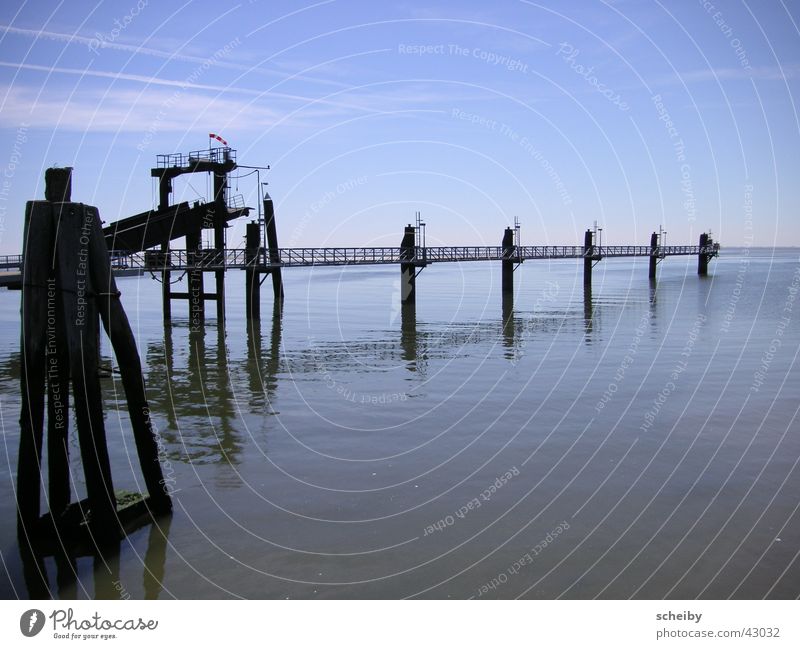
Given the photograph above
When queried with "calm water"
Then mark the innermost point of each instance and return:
(638, 442)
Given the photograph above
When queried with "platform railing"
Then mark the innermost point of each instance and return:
(11, 262)
(211, 259)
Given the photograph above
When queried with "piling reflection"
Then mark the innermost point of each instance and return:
(189, 382)
(588, 313)
(155, 558)
(509, 327)
(105, 564)
(263, 365)
(408, 335)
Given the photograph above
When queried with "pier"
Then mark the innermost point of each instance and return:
(143, 243)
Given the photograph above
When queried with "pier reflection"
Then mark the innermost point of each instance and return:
(408, 335)
(588, 313)
(263, 365)
(190, 384)
(106, 581)
(203, 391)
(509, 327)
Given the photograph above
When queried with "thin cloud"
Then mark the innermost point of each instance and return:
(177, 83)
(127, 111)
(762, 73)
(76, 39)
(387, 99)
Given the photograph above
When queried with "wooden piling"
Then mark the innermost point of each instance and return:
(508, 261)
(273, 248)
(58, 184)
(408, 271)
(588, 253)
(252, 275)
(123, 342)
(37, 266)
(58, 380)
(702, 258)
(74, 234)
(651, 273)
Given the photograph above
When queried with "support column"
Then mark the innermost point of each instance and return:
(653, 255)
(38, 256)
(508, 262)
(273, 249)
(588, 253)
(702, 258)
(164, 191)
(220, 211)
(252, 291)
(408, 272)
(76, 223)
(197, 309)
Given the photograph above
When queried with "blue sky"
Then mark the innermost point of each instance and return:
(633, 114)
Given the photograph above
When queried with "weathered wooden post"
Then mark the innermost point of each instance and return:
(509, 252)
(67, 285)
(702, 257)
(653, 255)
(58, 184)
(408, 272)
(273, 249)
(123, 342)
(37, 275)
(588, 253)
(251, 273)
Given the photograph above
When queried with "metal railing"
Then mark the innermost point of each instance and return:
(11, 262)
(236, 201)
(211, 259)
(218, 155)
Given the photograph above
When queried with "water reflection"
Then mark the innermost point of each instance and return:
(509, 326)
(408, 335)
(190, 384)
(203, 391)
(105, 564)
(588, 313)
(263, 365)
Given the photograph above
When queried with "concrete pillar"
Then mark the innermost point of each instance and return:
(653, 255)
(408, 272)
(588, 253)
(252, 291)
(702, 258)
(508, 261)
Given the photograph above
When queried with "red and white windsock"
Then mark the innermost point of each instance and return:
(218, 138)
